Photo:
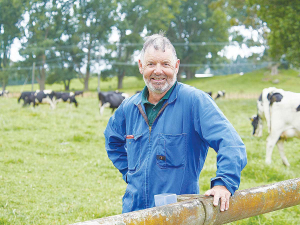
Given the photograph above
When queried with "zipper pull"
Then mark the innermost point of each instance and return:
(149, 133)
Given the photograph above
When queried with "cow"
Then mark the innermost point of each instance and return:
(44, 97)
(283, 113)
(209, 93)
(257, 120)
(38, 97)
(66, 97)
(29, 99)
(4, 93)
(111, 99)
(79, 93)
(24, 95)
(220, 94)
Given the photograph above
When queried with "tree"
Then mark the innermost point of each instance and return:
(282, 18)
(63, 61)
(41, 34)
(61, 75)
(197, 25)
(93, 20)
(10, 18)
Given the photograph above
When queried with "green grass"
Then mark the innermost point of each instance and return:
(54, 168)
(252, 82)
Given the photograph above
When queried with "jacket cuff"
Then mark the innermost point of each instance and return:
(220, 181)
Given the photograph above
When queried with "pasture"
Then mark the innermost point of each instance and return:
(54, 168)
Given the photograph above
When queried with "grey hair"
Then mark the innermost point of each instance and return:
(158, 42)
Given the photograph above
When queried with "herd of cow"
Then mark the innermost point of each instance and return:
(278, 108)
(48, 97)
(111, 99)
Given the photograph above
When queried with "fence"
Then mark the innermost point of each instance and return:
(199, 209)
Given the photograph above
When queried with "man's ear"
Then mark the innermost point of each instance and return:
(140, 67)
(177, 66)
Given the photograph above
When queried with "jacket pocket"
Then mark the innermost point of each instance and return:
(171, 151)
(134, 152)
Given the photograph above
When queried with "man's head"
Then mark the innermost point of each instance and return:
(158, 63)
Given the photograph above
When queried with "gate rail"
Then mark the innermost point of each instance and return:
(199, 209)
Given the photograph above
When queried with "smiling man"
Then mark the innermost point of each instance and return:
(159, 138)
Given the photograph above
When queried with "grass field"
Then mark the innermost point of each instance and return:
(54, 168)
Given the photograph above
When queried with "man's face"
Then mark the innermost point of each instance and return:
(159, 69)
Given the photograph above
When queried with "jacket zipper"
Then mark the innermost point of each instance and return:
(146, 118)
(160, 111)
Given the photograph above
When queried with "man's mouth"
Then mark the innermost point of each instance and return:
(157, 78)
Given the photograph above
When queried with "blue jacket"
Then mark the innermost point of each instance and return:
(169, 156)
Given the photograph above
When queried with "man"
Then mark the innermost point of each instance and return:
(158, 139)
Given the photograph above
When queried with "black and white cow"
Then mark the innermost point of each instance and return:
(282, 110)
(24, 95)
(111, 99)
(4, 93)
(45, 97)
(38, 97)
(220, 94)
(65, 97)
(284, 121)
(257, 120)
(209, 93)
(29, 99)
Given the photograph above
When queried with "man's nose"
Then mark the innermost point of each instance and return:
(158, 69)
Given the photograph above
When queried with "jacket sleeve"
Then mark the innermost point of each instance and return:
(115, 141)
(214, 129)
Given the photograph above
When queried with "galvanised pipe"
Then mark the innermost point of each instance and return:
(199, 209)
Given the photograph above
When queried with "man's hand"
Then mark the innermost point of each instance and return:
(220, 192)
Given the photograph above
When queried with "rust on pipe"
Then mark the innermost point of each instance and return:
(199, 209)
(260, 200)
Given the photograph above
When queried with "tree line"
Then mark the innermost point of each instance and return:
(67, 39)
